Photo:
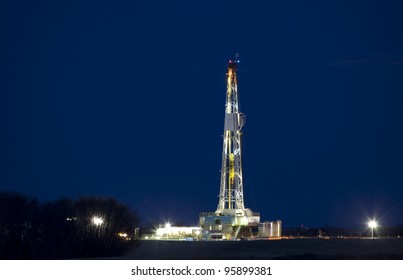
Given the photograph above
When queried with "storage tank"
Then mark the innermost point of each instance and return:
(270, 229)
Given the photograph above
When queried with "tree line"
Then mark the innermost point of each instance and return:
(88, 227)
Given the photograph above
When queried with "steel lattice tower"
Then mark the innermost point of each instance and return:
(231, 214)
(231, 186)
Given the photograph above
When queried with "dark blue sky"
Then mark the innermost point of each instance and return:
(126, 99)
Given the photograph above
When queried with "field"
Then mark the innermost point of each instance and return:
(293, 249)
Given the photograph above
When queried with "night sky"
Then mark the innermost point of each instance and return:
(126, 99)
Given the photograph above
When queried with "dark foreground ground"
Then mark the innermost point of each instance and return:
(292, 249)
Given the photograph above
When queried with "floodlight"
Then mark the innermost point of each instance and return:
(97, 220)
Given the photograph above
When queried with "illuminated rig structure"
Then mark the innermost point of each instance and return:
(232, 220)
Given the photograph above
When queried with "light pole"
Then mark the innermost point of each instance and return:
(372, 224)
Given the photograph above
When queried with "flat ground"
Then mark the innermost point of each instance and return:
(270, 249)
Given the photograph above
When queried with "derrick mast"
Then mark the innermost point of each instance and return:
(231, 184)
(231, 215)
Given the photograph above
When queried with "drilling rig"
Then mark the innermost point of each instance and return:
(231, 214)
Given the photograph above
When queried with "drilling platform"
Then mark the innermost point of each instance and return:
(231, 216)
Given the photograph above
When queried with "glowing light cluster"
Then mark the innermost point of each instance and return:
(372, 224)
(169, 230)
(97, 220)
(122, 234)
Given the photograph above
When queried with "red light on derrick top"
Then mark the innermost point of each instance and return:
(232, 64)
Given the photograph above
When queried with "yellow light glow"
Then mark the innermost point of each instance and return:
(229, 82)
(231, 168)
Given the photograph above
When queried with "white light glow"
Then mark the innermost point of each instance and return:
(172, 231)
(160, 231)
(97, 220)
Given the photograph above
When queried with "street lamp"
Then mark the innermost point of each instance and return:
(372, 224)
(97, 220)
